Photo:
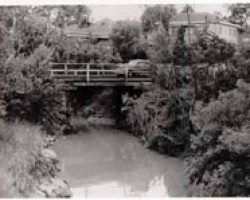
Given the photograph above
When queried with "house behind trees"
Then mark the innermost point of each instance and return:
(98, 32)
(199, 22)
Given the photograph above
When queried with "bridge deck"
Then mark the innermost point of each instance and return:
(74, 75)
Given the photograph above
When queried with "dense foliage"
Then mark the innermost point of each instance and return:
(156, 14)
(213, 79)
(206, 48)
(30, 94)
(181, 51)
(161, 116)
(161, 51)
(27, 91)
(125, 38)
(211, 49)
(212, 122)
(218, 160)
(83, 51)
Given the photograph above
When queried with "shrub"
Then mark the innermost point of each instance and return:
(218, 163)
(211, 49)
(160, 118)
(170, 77)
(125, 37)
(231, 109)
(211, 79)
(181, 51)
(82, 51)
(160, 52)
(218, 159)
(30, 94)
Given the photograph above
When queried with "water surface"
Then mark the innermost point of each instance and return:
(112, 163)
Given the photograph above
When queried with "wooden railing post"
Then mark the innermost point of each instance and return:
(51, 70)
(75, 72)
(126, 74)
(87, 73)
(66, 69)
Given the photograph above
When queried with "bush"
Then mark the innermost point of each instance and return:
(211, 79)
(160, 118)
(181, 51)
(218, 159)
(170, 77)
(30, 94)
(231, 109)
(211, 49)
(125, 37)
(79, 51)
(218, 163)
(160, 52)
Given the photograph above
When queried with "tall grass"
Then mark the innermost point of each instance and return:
(20, 144)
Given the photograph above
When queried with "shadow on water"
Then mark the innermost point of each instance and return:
(109, 162)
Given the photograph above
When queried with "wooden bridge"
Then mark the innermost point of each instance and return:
(73, 75)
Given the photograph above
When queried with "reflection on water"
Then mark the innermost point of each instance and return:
(111, 163)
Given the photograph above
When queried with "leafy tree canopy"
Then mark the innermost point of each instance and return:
(161, 51)
(181, 52)
(61, 16)
(211, 49)
(187, 8)
(125, 37)
(155, 14)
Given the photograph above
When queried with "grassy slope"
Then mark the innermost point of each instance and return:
(20, 144)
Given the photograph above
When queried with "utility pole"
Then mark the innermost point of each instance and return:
(188, 18)
(190, 60)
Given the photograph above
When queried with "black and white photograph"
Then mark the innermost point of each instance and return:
(124, 100)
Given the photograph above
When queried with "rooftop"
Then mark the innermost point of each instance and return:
(198, 18)
(101, 29)
(195, 18)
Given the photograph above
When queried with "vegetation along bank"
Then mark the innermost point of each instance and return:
(197, 108)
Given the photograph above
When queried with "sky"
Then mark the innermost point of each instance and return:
(133, 12)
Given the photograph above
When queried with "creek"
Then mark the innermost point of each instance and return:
(105, 162)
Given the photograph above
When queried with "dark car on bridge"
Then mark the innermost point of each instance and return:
(137, 67)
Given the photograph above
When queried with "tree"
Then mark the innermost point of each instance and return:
(31, 95)
(181, 52)
(211, 49)
(12, 18)
(217, 163)
(82, 51)
(187, 8)
(64, 15)
(161, 51)
(28, 91)
(27, 27)
(125, 37)
(155, 14)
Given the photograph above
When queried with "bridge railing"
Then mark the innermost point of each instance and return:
(82, 69)
(92, 72)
